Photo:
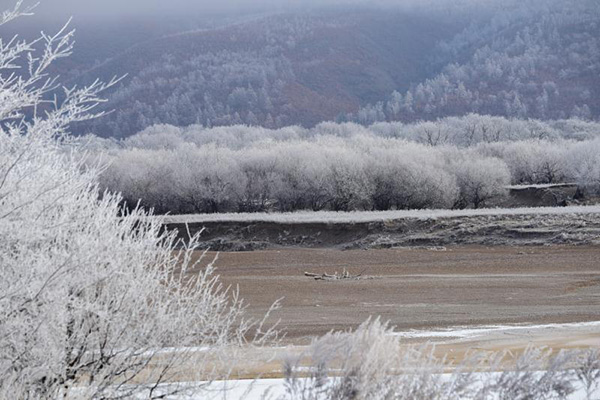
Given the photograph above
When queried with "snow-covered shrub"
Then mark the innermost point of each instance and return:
(347, 185)
(207, 179)
(94, 303)
(260, 178)
(300, 184)
(584, 165)
(150, 176)
(532, 161)
(370, 363)
(410, 176)
(357, 365)
(480, 180)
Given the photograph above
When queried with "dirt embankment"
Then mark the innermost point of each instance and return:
(406, 232)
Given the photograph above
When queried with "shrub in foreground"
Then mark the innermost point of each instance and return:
(370, 364)
(93, 303)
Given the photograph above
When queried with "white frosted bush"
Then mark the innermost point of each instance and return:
(584, 165)
(94, 302)
(480, 180)
(370, 363)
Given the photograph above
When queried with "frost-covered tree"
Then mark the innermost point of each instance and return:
(480, 180)
(208, 179)
(584, 165)
(410, 176)
(94, 303)
(532, 162)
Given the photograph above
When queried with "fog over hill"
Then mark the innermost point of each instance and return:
(108, 9)
(538, 60)
(275, 64)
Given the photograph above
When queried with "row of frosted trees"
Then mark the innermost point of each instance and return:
(329, 173)
(342, 172)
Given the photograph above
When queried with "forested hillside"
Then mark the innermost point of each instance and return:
(526, 59)
(534, 59)
(299, 68)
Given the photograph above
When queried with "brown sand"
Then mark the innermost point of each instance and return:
(419, 288)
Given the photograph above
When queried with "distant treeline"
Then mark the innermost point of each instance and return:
(452, 163)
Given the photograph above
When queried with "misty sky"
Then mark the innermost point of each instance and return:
(60, 8)
(130, 7)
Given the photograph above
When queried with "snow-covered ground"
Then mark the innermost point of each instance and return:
(542, 186)
(376, 216)
(486, 330)
(271, 389)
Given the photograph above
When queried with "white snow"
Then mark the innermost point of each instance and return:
(272, 389)
(474, 332)
(377, 216)
(262, 389)
(542, 186)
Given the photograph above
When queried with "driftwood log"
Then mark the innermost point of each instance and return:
(345, 275)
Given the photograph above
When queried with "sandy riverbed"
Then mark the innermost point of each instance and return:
(420, 288)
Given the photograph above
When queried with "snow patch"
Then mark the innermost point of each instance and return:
(474, 332)
(375, 216)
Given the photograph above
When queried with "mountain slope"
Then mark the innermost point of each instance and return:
(298, 68)
(537, 60)
(516, 58)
